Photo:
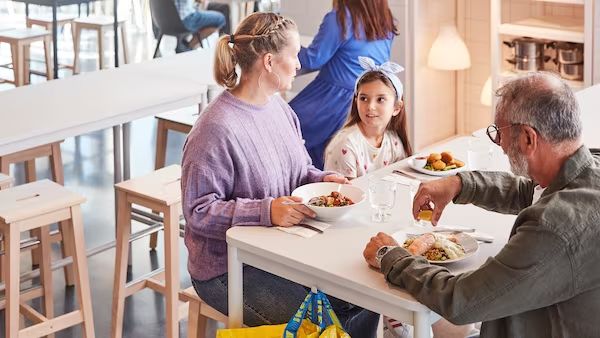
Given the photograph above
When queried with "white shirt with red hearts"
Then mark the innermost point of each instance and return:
(350, 154)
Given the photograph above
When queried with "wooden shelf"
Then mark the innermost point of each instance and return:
(575, 85)
(550, 28)
(568, 2)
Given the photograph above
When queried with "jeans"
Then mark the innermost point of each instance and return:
(223, 9)
(201, 19)
(269, 299)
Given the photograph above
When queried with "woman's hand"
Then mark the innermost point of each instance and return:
(287, 215)
(336, 178)
(438, 192)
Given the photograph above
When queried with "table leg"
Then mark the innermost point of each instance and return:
(127, 164)
(422, 325)
(54, 39)
(235, 291)
(116, 31)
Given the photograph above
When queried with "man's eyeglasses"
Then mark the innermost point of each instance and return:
(493, 132)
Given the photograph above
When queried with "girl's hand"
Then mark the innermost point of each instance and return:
(336, 178)
(286, 215)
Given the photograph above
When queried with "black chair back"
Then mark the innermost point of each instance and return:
(166, 18)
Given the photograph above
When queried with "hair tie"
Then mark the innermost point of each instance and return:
(389, 69)
(231, 39)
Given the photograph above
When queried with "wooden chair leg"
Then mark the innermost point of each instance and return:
(76, 43)
(159, 162)
(30, 174)
(11, 312)
(171, 236)
(26, 63)
(48, 58)
(100, 49)
(196, 321)
(56, 165)
(121, 257)
(46, 272)
(80, 267)
(67, 250)
(16, 61)
(124, 42)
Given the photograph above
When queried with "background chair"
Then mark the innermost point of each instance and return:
(166, 20)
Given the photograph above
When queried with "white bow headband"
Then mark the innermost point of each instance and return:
(389, 69)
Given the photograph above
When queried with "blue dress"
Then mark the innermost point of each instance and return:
(324, 104)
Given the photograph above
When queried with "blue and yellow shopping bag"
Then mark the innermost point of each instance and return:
(317, 308)
(314, 319)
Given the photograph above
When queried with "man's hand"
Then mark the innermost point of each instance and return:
(370, 253)
(287, 215)
(439, 193)
(336, 178)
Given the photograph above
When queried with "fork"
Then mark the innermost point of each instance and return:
(308, 226)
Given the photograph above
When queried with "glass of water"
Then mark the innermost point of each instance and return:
(479, 155)
(382, 196)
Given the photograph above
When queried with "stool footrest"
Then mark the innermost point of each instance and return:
(52, 325)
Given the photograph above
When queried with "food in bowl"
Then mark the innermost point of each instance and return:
(435, 247)
(442, 162)
(335, 199)
(311, 190)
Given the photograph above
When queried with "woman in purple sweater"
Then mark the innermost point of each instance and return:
(241, 161)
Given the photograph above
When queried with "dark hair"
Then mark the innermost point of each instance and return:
(257, 34)
(397, 124)
(373, 16)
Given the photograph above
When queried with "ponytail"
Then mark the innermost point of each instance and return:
(224, 68)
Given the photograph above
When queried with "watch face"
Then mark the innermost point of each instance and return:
(382, 251)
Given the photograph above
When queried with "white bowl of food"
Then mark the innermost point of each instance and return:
(330, 201)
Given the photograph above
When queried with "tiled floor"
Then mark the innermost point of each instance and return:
(88, 165)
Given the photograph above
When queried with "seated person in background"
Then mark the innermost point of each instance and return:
(545, 281)
(221, 8)
(375, 133)
(196, 20)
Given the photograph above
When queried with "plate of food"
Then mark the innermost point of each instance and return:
(437, 164)
(330, 201)
(439, 247)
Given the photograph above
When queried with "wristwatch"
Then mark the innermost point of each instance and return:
(381, 252)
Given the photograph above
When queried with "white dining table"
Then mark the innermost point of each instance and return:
(52, 111)
(333, 261)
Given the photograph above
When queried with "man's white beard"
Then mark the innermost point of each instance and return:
(518, 162)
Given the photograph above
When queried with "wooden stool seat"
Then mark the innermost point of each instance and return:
(159, 191)
(5, 181)
(34, 206)
(101, 24)
(198, 312)
(20, 41)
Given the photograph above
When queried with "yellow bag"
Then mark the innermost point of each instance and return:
(322, 324)
(307, 330)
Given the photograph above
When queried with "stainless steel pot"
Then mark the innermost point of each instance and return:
(571, 71)
(528, 64)
(568, 52)
(527, 47)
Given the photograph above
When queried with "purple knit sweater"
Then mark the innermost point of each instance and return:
(236, 159)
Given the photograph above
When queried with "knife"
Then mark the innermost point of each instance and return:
(308, 226)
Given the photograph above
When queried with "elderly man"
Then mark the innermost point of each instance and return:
(545, 282)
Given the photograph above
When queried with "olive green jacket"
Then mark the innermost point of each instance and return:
(545, 282)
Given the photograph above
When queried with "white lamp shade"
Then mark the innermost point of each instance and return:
(486, 93)
(449, 51)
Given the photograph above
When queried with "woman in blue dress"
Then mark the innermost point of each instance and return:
(353, 28)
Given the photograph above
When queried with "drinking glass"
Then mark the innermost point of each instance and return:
(382, 196)
(479, 155)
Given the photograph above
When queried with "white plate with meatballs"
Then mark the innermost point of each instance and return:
(439, 248)
(437, 164)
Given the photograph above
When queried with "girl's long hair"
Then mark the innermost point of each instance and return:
(372, 16)
(397, 124)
